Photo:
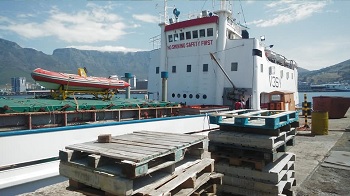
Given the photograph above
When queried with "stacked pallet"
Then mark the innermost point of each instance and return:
(250, 149)
(141, 163)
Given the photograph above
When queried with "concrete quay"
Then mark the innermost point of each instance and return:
(313, 176)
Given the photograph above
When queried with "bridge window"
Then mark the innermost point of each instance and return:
(292, 76)
(170, 37)
(173, 69)
(287, 75)
(188, 35)
(188, 68)
(182, 36)
(205, 67)
(261, 68)
(157, 70)
(281, 73)
(210, 32)
(176, 37)
(202, 33)
(195, 34)
(234, 66)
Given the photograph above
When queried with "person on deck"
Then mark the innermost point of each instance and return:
(238, 105)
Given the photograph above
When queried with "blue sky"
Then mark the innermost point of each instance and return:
(315, 34)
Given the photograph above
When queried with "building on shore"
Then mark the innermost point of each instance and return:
(18, 84)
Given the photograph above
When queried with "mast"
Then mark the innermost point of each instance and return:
(165, 12)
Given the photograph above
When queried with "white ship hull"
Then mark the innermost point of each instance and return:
(42, 144)
(194, 78)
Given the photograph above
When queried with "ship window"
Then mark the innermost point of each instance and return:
(234, 66)
(287, 75)
(262, 68)
(197, 96)
(176, 37)
(281, 73)
(173, 95)
(157, 70)
(205, 67)
(191, 96)
(204, 96)
(292, 75)
(170, 38)
(182, 36)
(210, 32)
(257, 52)
(188, 68)
(202, 33)
(188, 35)
(195, 34)
(173, 69)
(184, 95)
(178, 95)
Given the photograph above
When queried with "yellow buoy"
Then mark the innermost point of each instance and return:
(319, 123)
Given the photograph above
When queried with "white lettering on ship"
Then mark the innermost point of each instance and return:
(275, 82)
(191, 44)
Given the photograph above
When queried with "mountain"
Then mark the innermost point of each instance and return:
(302, 70)
(336, 73)
(16, 61)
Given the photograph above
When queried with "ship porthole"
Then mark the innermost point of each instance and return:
(197, 96)
(173, 95)
(178, 95)
(204, 96)
(184, 95)
(191, 96)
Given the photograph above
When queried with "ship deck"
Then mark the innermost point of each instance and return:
(31, 113)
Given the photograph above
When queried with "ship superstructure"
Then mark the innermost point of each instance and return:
(246, 68)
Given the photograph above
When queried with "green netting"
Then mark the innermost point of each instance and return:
(19, 105)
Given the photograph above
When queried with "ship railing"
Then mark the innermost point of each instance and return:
(155, 41)
(280, 59)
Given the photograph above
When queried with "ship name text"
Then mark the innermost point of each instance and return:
(191, 44)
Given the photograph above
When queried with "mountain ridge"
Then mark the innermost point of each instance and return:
(16, 61)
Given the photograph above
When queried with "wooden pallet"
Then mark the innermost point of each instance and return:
(272, 173)
(244, 152)
(264, 119)
(287, 182)
(196, 178)
(251, 139)
(226, 190)
(136, 154)
(189, 176)
(249, 129)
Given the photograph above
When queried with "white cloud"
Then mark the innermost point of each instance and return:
(288, 11)
(106, 48)
(86, 26)
(146, 18)
(309, 54)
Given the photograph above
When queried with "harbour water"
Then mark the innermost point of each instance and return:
(310, 95)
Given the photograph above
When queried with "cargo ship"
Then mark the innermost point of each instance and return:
(210, 59)
(205, 63)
